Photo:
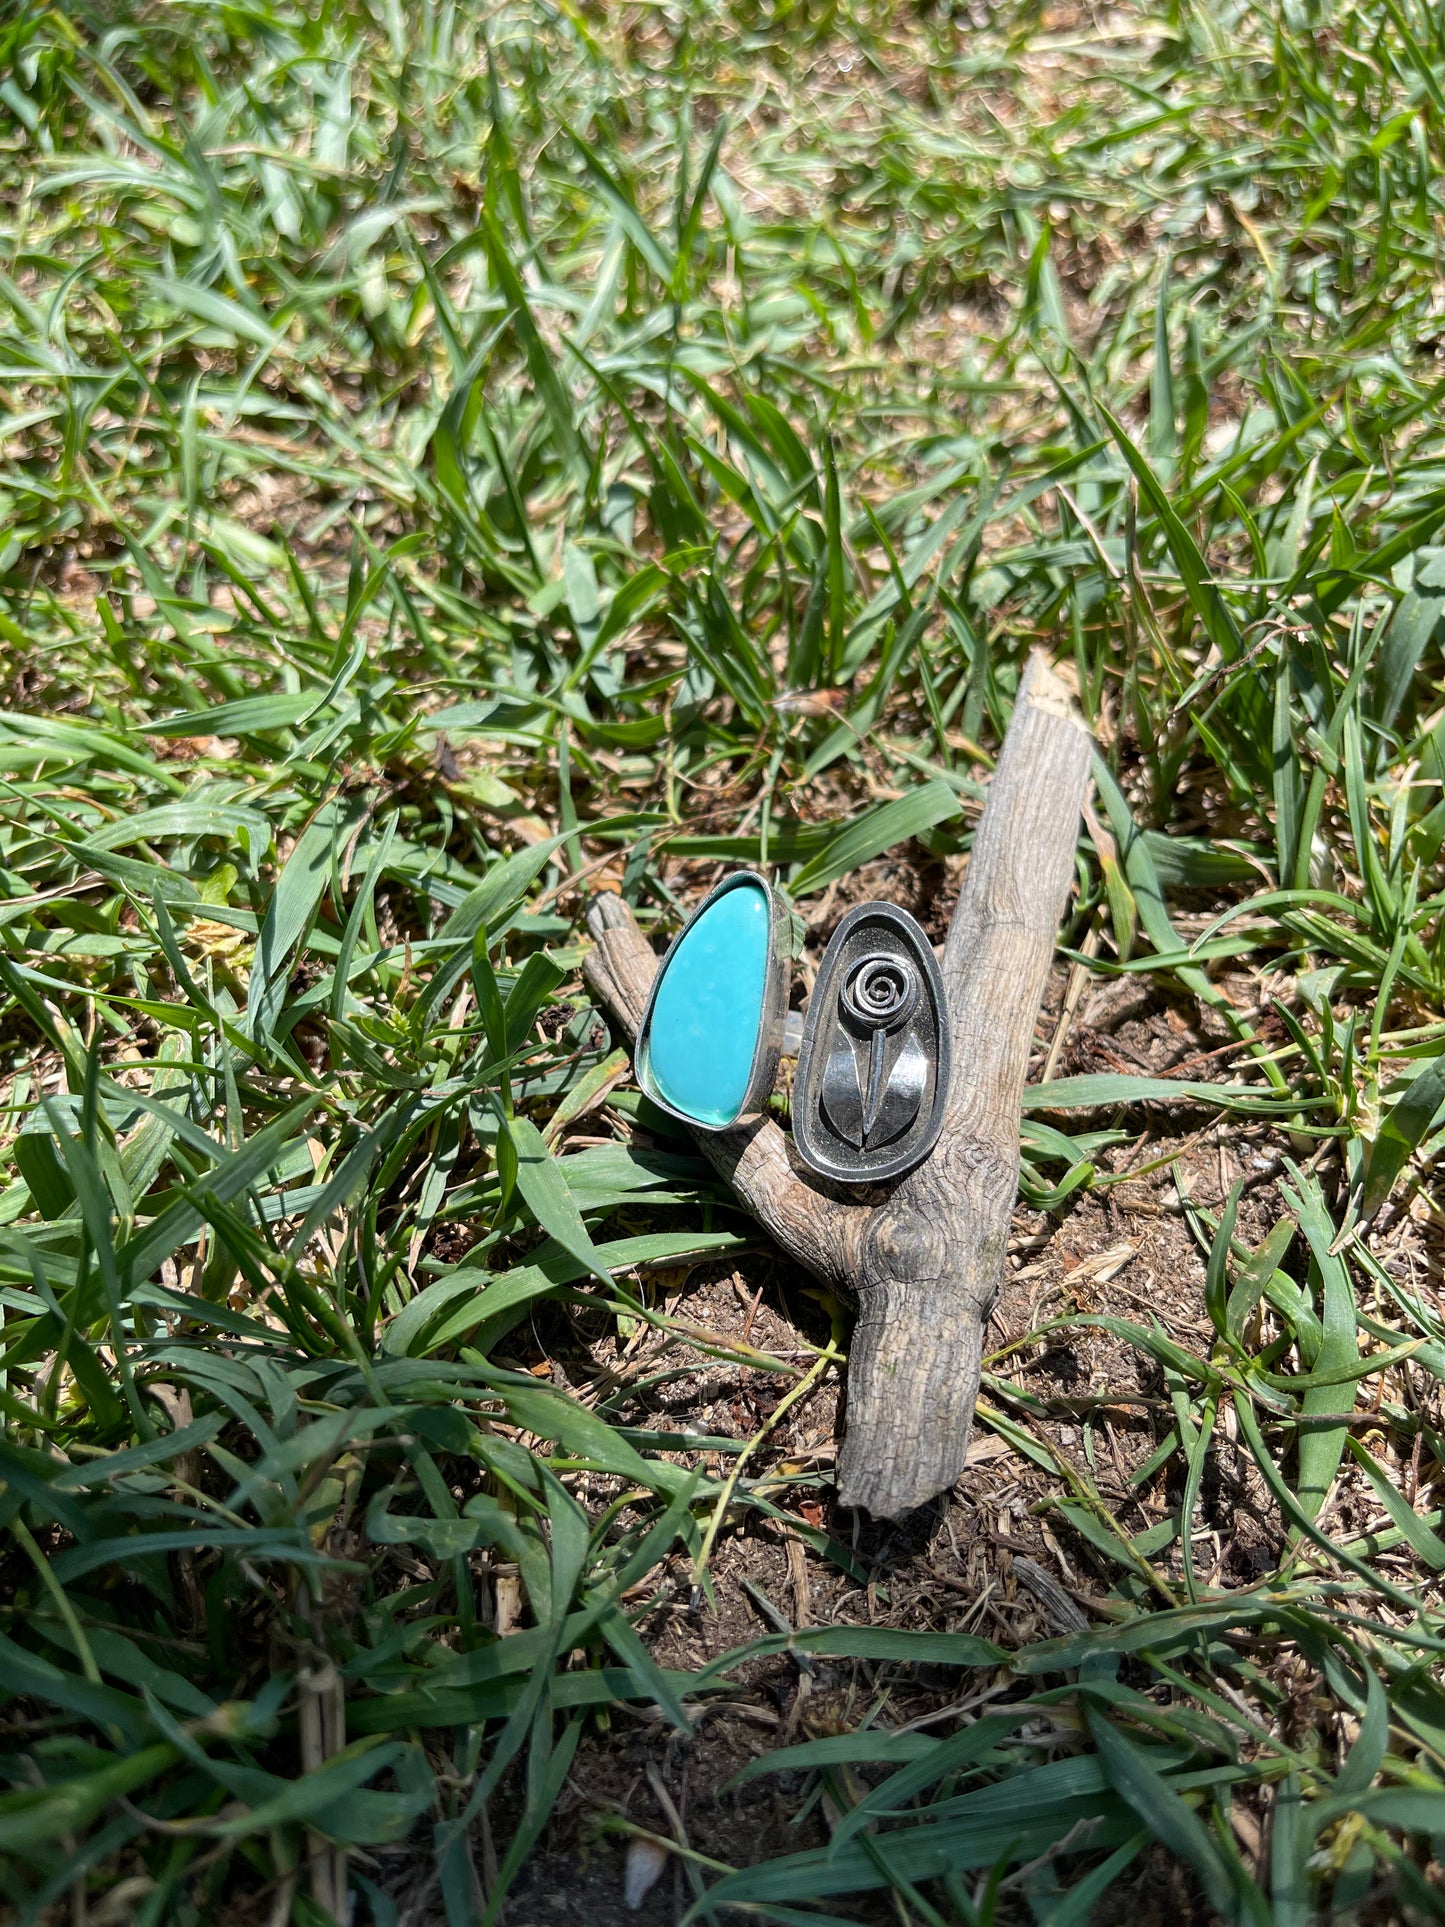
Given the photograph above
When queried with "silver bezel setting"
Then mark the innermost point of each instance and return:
(763, 1073)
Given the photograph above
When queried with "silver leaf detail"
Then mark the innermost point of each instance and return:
(902, 1094)
(841, 1096)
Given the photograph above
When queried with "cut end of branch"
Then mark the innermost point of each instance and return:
(1047, 688)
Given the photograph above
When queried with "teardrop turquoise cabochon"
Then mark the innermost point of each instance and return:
(709, 1008)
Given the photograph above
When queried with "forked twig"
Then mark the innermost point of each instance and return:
(924, 1264)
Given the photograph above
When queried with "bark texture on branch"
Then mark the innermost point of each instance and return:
(925, 1265)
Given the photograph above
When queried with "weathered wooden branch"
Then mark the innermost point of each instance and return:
(925, 1265)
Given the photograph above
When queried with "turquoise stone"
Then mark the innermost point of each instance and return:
(709, 1008)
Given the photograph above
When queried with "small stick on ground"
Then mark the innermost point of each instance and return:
(925, 1265)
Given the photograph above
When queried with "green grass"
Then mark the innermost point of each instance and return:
(444, 466)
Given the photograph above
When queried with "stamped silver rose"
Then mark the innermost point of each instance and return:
(872, 1079)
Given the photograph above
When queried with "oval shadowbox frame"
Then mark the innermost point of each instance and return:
(877, 1054)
